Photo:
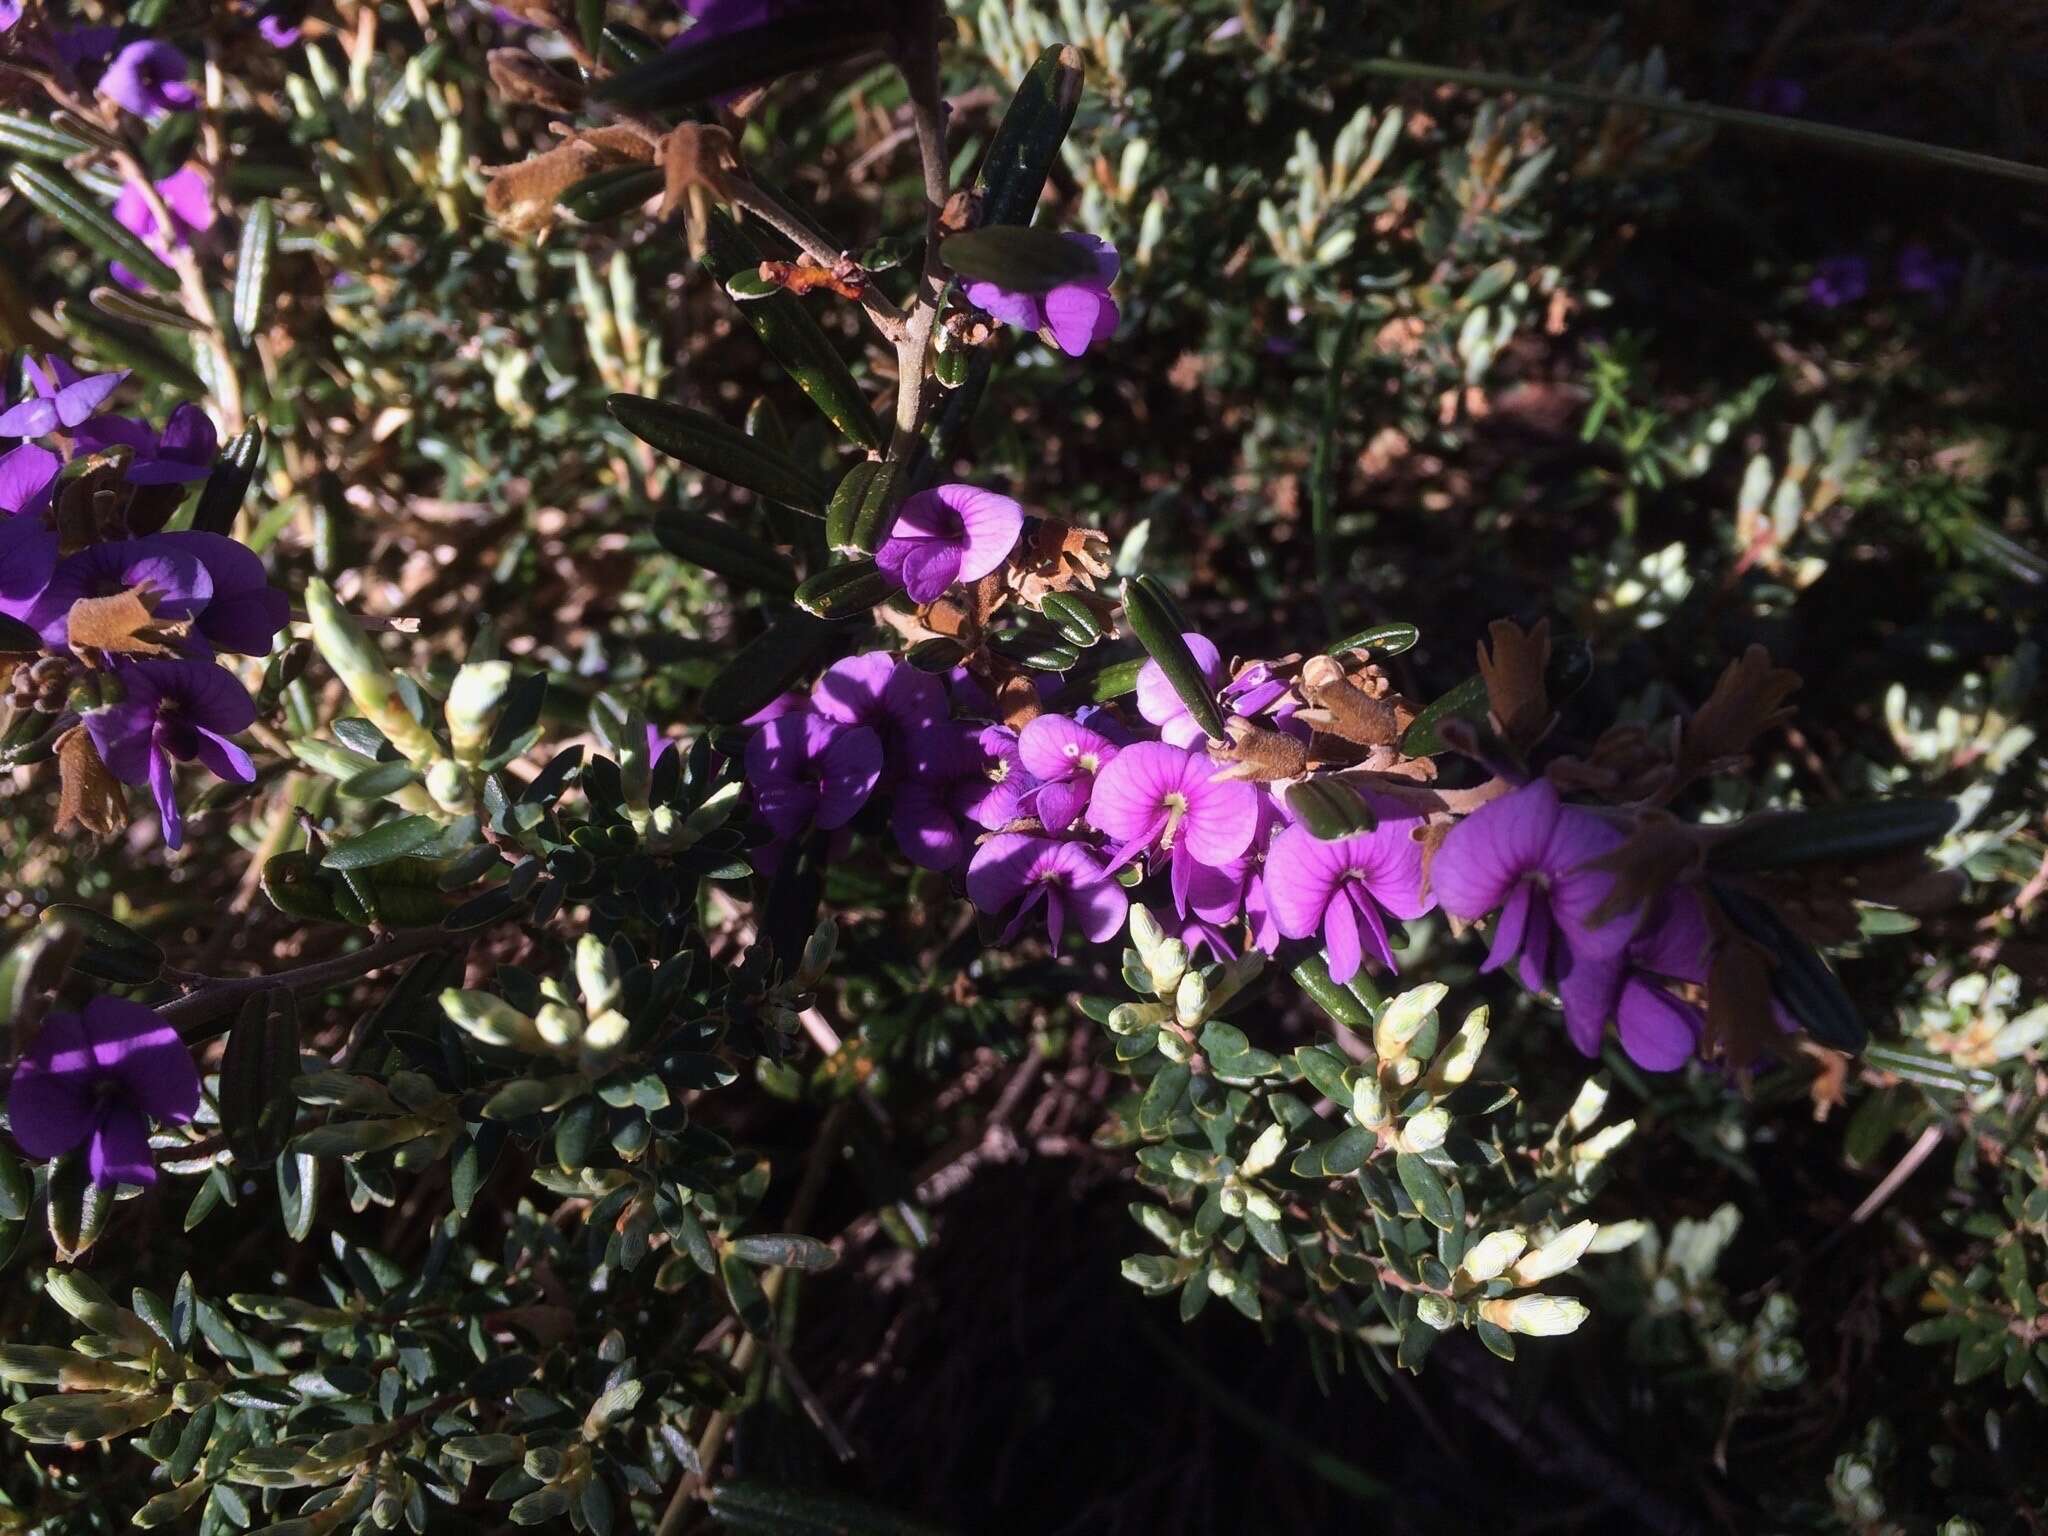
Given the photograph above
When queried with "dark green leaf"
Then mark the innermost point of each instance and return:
(228, 485)
(765, 667)
(847, 591)
(61, 200)
(1330, 810)
(1020, 258)
(1425, 1187)
(108, 950)
(253, 266)
(1152, 620)
(1028, 139)
(706, 443)
(1830, 834)
(785, 1250)
(382, 844)
(718, 66)
(1390, 639)
(1800, 979)
(724, 550)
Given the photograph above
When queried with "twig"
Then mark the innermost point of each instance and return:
(1905, 1168)
(193, 1012)
(752, 198)
(813, 1408)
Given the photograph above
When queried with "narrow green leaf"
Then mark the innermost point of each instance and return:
(1028, 139)
(97, 338)
(382, 844)
(1152, 620)
(257, 1105)
(706, 443)
(253, 268)
(1800, 980)
(753, 56)
(64, 202)
(718, 547)
(228, 485)
(109, 950)
(1014, 256)
(793, 337)
(610, 193)
(784, 1250)
(142, 309)
(847, 590)
(1330, 810)
(765, 667)
(38, 140)
(1392, 639)
(1426, 1188)
(1830, 833)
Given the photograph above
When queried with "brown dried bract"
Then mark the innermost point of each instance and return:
(1059, 557)
(1741, 1029)
(124, 624)
(1513, 670)
(696, 155)
(522, 197)
(523, 80)
(87, 793)
(1748, 700)
(1367, 713)
(1259, 756)
(1629, 763)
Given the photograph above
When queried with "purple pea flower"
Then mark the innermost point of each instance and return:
(1839, 280)
(97, 1079)
(1346, 888)
(181, 453)
(1659, 1031)
(148, 79)
(63, 398)
(245, 611)
(884, 693)
(175, 583)
(1160, 705)
(173, 712)
(1524, 856)
(998, 798)
(943, 778)
(1066, 877)
(1159, 797)
(278, 30)
(27, 473)
(946, 534)
(1076, 313)
(28, 558)
(806, 768)
(189, 202)
(1063, 756)
(1919, 271)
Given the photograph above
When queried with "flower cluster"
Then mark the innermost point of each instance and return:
(127, 618)
(1060, 817)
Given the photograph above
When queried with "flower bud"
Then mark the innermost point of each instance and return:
(1492, 1254)
(473, 700)
(1426, 1131)
(1166, 965)
(1265, 1151)
(1536, 1316)
(491, 1019)
(1191, 999)
(449, 786)
(597, 974)
(1403, 1017)
(559, 1024)
(1369, 1103)
(1437, 1312)
(1455, 1065)
(1557, 1255)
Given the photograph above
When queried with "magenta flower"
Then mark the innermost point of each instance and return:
(148, 79)
(278, 30)
(943, 777)
(1346, 889)
(808, 768)
(996, 797)
(63, 398)
(1068, 879)
(1659, 1032)
(1077, 313)
(946, 534)
(884, 693)
(245, 611)
(173, 712)
(28, 471)
(1525, 857)
(1157, 797)
(1160, 705)
(182, 452)
(96, 1080)
(189, 202)
(1063, 756)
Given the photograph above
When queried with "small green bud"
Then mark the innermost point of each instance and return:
(818, 952)
(1455, 1065)
(607, 1032)
(559, 1025)
(1438, 1312)
(357, 662)
(1617, 1235)
(1539, 1317)
(473, 700)
(1595, 1149)
(1587, 1107)
(1166, 965)
(1191, 1000)
(448, 784)
(1557, 1255)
